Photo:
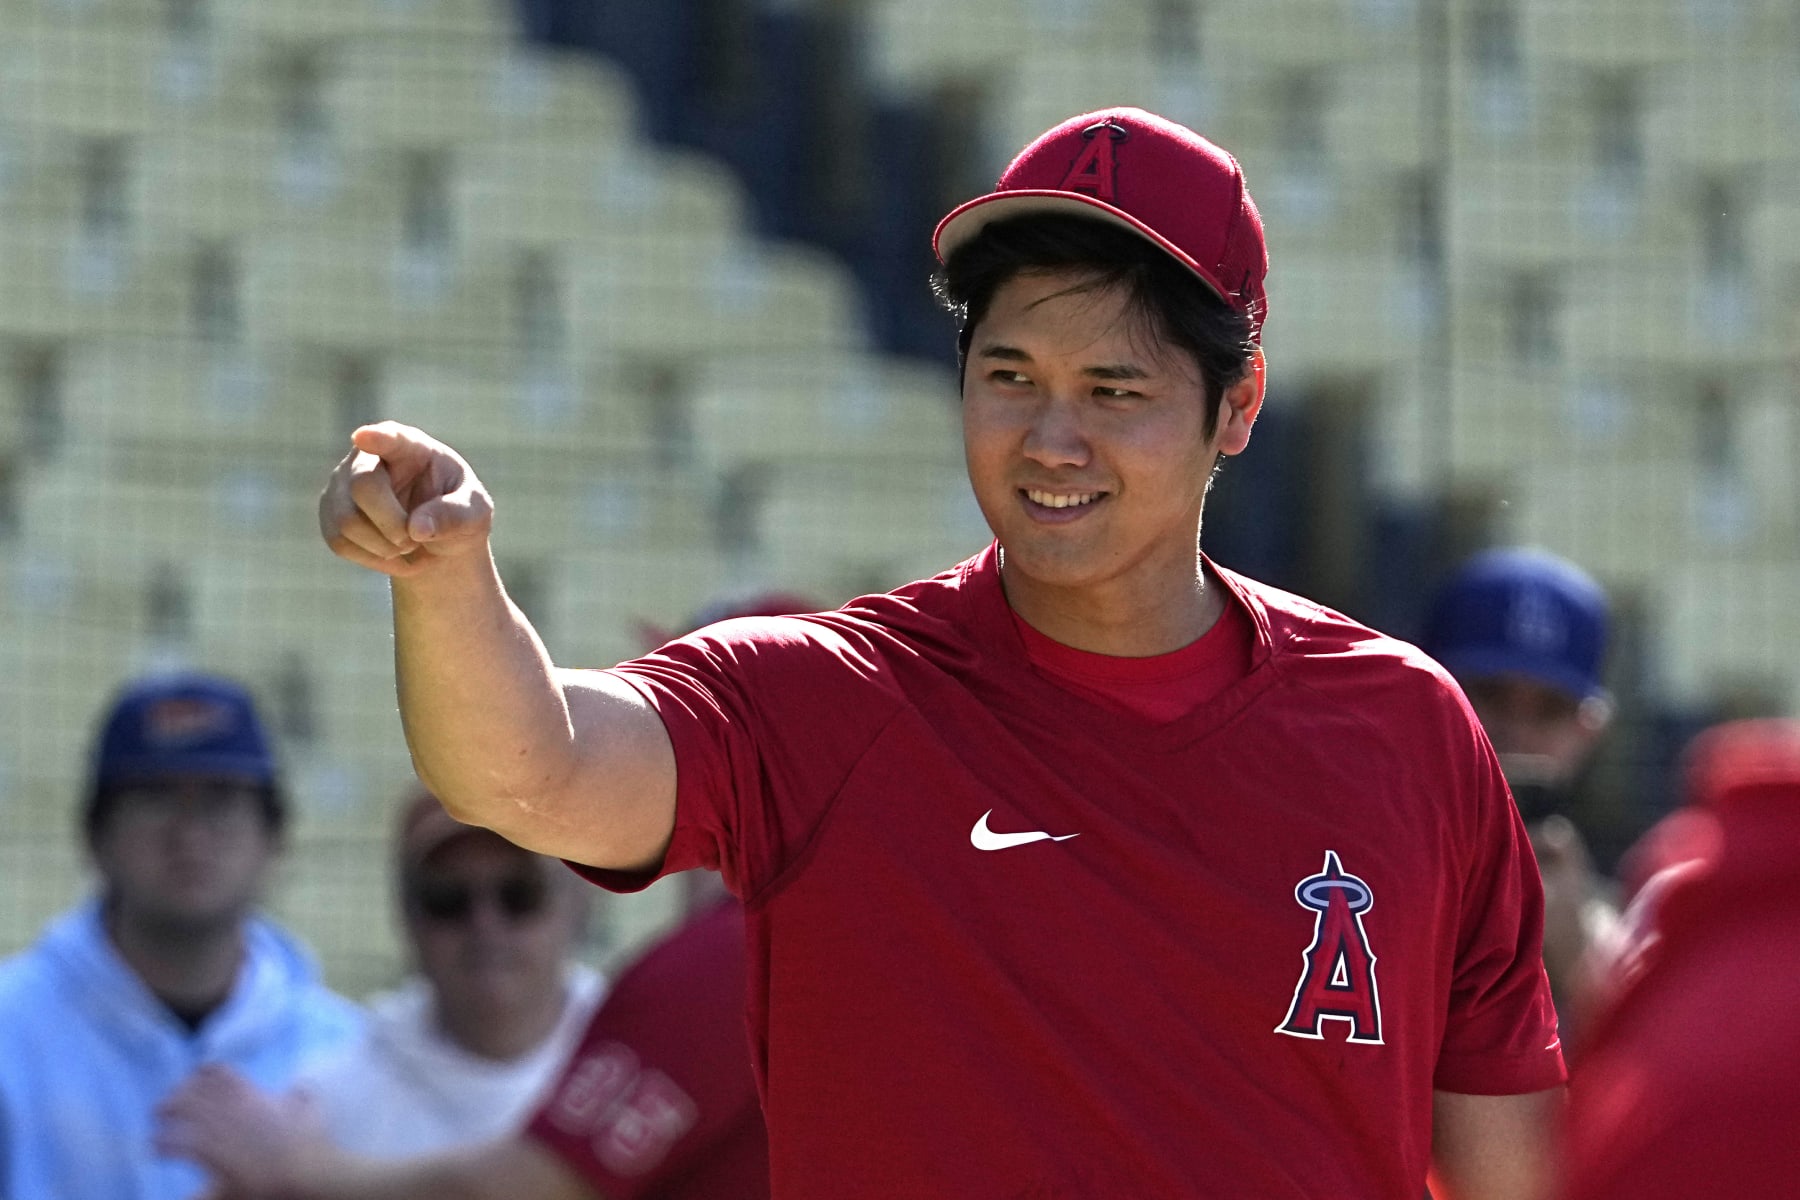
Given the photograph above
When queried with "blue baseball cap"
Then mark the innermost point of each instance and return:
(1521, 612)
(182, 726)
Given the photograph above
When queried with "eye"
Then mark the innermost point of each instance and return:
(1110, 393)
(1009, 378)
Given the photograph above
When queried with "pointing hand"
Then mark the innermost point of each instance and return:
(400, 499)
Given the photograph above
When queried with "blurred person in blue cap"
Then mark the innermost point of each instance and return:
(1525, 632)
(168, 965)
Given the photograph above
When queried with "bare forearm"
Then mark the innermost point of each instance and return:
(485, 717)
(1492, 1147)
(569, 763)
(501, 1170)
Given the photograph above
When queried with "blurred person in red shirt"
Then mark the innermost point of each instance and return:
(1690, 1085)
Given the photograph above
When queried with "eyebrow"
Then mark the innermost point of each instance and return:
(1109, 371)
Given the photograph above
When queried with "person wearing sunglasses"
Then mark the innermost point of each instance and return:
(460, 1052)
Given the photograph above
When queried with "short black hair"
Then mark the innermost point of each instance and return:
(1175, 302)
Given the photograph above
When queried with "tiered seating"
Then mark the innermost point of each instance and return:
(845, 408)
(248, 403)
(1725, 622)
(836, 533)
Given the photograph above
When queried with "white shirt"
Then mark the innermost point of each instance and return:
(406, 1089)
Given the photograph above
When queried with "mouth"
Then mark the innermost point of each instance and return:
(1049, 505)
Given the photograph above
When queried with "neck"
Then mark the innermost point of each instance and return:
(189, 968)
(502, 1031)
(1125, 621)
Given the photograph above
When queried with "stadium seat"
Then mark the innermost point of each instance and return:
(402, 92)
(1699, 117)
(222, 183)
(1551, 211)
(549, 504)
(45, 173)
(557, 192)
(838, 530)
(344, 20)
(1767, 442)
(58, 670)
(92, 77)
(1774, 236)
(601, 597)
(914, 46)
(1606, 35)
(547, 407)
(1665, 311)
(1265, 35)
(1724, 622)
(665, 295)
(64, 278)
(242, 400)
(374, 294)
(1346, 312)
(1626, 517)
(843, 408)
(1378, 114)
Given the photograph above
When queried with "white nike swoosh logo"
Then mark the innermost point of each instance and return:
(983, 838)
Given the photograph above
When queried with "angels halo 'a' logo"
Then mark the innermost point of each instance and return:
(1095, 169)
(1338, 980)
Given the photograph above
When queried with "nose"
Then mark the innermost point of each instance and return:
(1055, 436)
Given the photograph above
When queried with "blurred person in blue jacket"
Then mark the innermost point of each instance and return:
(168, 965)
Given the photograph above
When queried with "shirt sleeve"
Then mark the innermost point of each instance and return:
(767, 716)
(1500, 1035)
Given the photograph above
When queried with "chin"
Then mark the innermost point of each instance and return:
(1059, 566)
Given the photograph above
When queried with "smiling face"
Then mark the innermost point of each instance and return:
(1087, 447)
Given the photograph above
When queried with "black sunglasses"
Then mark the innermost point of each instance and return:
(448, 901)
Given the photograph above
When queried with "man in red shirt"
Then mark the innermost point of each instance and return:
(1085, 868)
(1690, 1085)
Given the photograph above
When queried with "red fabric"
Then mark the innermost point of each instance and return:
(1690, 1085)
(1160, 688)
(1098, 1016)
(1146, 172)
(658, 1102)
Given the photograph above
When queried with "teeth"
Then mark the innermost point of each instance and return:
(1052, 500)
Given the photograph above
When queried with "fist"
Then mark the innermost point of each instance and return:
(401, 500)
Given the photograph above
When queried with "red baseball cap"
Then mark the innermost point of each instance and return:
(1739, 760)
(1148, 174)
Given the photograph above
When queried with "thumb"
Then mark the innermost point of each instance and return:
(464, 513)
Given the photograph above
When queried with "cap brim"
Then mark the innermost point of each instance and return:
(969, 219)
(142, 769)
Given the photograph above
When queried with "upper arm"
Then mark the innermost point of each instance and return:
(1492, 1147)
(616, 810)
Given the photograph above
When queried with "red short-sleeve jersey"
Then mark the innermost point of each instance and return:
(658, 1102)
(1005, 941)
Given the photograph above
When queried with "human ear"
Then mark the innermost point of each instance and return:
(1239, 405)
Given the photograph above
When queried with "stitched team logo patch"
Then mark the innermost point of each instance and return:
(1337, 982)
(1095, 169)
